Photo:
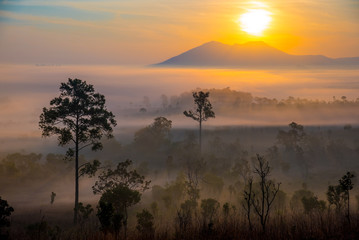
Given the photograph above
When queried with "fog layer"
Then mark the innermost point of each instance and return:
(26, 89)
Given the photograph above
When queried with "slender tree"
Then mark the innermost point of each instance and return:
(267, 193)
(336, 197)
(80, 119)
(339, 195)
(202, 112)
(247, 203)
(347, 184)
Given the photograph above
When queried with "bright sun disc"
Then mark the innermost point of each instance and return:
(255, 21)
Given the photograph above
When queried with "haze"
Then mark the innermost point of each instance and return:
(151, 59)
(150, 31)
(26, 89)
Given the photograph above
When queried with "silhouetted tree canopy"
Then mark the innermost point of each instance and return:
(292, 138)
(120, 176)
(78, 117)
(202, 112)
(154, 136)
(5, 212)
(120, 188)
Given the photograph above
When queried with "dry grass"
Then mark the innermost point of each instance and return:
(296, 226)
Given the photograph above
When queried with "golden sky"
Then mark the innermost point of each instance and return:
(150, 31)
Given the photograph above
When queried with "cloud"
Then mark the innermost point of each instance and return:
(55, 11)
(147, 31)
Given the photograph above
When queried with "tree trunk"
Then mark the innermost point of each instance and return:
(200, 136)
(249, 204)
(76, 183)
(125, 222)
(76, 172)
(348, 208)
(200, 131)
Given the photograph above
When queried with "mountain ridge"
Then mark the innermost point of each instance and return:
(250, 54)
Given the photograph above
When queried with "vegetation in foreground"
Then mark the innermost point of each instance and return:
(221, 190)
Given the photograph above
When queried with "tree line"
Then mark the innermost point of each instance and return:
(80, 119)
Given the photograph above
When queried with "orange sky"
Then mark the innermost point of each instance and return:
(149, 31)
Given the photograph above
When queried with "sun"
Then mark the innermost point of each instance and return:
(255, 21)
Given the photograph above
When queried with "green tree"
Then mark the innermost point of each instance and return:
(296, 200)
(339, 195)
(145, 224)
(347, 184)
(154, 136)
(105, 214)
(5, 212)
(292, 139)
(85, 211)
(312, 203)
(202, 112)
(120, 198)
(213, 184)
(336, 197)
(79, 118)
(209, 208)
(121, 188)
(184, 215)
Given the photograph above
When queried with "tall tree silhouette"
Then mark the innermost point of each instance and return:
(202, 112)
(347, 184)
(79, 117)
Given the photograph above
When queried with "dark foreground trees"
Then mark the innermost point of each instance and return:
(5, 212)
(154, 137)
(261, 198)
(121, 188)
(202, 112)
(145, 224)
(79, 118)
(339, 195)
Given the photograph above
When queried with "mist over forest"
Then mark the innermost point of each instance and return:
(25, 89)
(308, 139)
(179, 120)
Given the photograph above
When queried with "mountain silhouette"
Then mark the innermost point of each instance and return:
(251, 54)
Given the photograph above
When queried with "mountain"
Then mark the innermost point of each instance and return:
(251, 54)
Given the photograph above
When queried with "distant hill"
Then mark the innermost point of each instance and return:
(251, 54)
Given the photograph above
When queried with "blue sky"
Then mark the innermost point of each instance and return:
(56, 11)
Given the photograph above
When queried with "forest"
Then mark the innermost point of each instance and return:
(274, 181)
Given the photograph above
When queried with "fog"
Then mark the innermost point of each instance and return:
(25, 89)
(253, 110)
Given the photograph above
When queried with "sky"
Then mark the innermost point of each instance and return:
(43, 43)
(141, 32)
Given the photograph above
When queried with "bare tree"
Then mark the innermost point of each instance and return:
(248, 197)
(267, 192)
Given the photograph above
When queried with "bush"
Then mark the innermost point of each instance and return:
(145, 224)
(5, 212)
(312, 203)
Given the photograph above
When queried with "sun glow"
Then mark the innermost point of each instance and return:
(255, 21)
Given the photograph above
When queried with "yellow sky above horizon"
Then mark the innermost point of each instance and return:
(149, 31)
